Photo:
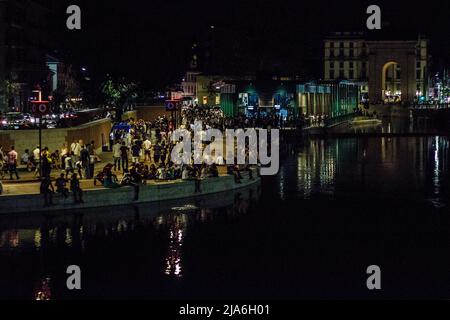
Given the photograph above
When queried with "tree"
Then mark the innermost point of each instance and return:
(10, 90)
(119, 93)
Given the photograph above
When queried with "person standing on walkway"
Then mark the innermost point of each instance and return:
(76, 150)
(164, 152)
(92, 159)
(135, 152)
(46, 163)
(84, 158)
(73, 146)
(116, 155)
(69, 164)
(12, 163)
(36, 153)
(124, 150)
(147, 147)
(156, 153)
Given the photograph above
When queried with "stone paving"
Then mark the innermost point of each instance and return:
(29, 184)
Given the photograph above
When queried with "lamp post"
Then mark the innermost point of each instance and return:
(40, 146)
(40, 108)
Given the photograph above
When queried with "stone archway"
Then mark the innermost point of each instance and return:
(391, 82)
(383, 54)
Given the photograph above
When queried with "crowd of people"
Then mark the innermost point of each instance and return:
(76, 162)
(141, 151)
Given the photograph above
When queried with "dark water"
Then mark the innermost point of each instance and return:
(394, 126)
(336, 207)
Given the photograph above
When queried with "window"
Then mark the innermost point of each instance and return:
(331, 65)
(350, 64)
(341, 65)
(341, 44)
(331, 53)
(341, 74)
(351, 44)
(350, 53)
(418, 74)
(351, 74)
(331, 74)
(331, 44)
(341, 52)
(418, 64)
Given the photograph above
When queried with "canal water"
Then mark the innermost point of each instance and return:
(336, 207)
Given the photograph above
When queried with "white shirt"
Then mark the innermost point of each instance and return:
(77, 149)
(68, 162)
(36, 154)
(116, 150)
(25, 157)
(147, 144)
(219, 160)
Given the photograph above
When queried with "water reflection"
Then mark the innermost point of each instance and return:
(392, 125)
(397, 167)
(177, 229)
(43, 290)
(52, 243)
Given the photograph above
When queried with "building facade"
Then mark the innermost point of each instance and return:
(387, 70)
(290, 99)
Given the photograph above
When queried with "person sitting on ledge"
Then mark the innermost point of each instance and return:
(127, 180)
(213, 171)
(110, 181)
(76, 189)
(161, 172)
(185, 174)
(237, 174)
(250, 171)
(60, 184)
(47, 190)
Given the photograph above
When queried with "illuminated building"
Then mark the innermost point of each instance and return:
(387, 70)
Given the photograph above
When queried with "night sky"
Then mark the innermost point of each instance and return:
(150, 41)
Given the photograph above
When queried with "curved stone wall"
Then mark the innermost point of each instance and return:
(125, 195)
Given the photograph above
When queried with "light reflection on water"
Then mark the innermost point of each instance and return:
(228, 244)
(71, 237)
(395, 167)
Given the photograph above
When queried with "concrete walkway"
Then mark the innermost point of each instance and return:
(29, 183)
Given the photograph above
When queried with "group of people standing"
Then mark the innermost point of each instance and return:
(9, 161)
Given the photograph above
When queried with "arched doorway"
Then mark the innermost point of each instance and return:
(391, 82)
(383, 55)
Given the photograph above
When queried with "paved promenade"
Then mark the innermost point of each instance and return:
(29, 183)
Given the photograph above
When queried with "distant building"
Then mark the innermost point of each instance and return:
(25, 39)
(54, 66)
(189, 84)
(289, 99)
(387, 70)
